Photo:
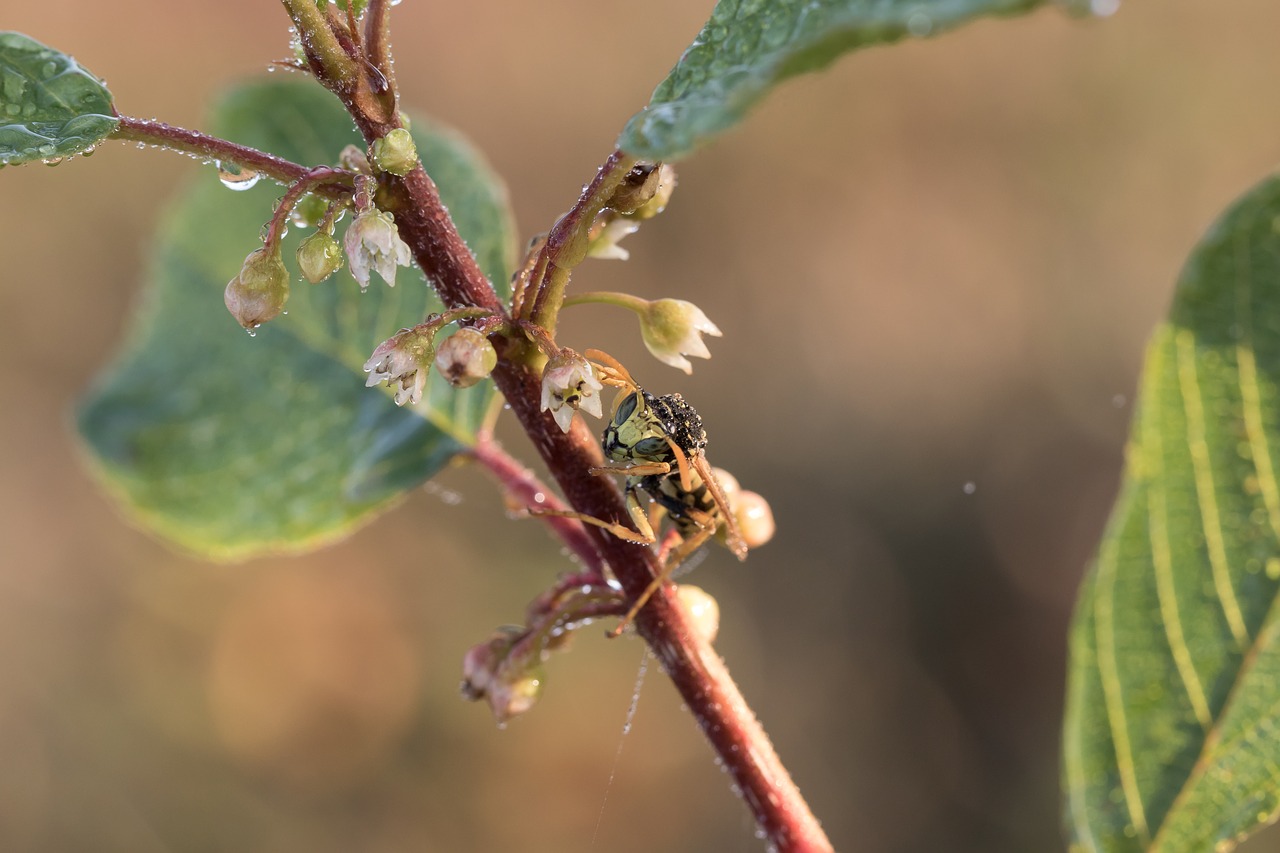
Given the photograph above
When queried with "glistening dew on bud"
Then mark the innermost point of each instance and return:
(374, 241)
(258, 293)
(569, 383)
(319, 256)
(673, 329)
(395, 152)
(402, 361)
(465, 357)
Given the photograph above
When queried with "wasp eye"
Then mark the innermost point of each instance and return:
(626, 408)
(650, 446)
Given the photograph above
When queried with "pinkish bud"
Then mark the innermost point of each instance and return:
(465, 357)
(258, 293)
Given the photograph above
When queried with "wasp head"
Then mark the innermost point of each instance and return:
(642, 423)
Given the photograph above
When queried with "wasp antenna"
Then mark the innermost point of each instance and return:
(682, 461)
(612, 368)
(732, 536)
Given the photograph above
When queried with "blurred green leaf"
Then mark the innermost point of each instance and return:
(750, 46)
(231, 445)
(1171, 740)
(50, 107)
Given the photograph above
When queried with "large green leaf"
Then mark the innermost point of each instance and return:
(50, 107)
(1172, 738)
(750, 46)
(233, 445)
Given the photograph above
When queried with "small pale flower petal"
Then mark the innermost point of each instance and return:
(373, 243)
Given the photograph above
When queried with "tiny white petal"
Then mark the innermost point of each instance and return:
(564, 417)
(591, 404)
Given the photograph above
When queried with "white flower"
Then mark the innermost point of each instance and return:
(673, 329)
(606, 246)
(569, 384)
(374, 241)
(403, 360)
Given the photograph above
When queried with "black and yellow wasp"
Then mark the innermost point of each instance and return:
(657, 443)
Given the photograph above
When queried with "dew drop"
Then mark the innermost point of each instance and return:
(49, 69)
(52, 161)
(970, 487)
(235, 177)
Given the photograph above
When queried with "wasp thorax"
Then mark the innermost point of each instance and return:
(680, 422)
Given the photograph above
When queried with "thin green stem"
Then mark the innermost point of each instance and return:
(605, 297)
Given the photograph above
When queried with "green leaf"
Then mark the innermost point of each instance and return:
(1172, 738)
(50, 107)
(233, 445)
(750, 46)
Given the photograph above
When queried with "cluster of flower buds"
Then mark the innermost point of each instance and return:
(643, 194)
(372, 243)
(404, 359)
(569, 383)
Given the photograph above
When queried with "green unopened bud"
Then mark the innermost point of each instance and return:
(636, 188)
(466, 357)
(395, 152)
(319, 256)
(259, 292)
(661, 196)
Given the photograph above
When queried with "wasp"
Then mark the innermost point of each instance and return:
(657, 444)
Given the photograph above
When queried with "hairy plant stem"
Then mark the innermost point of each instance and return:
(336, 184)
(697, 672)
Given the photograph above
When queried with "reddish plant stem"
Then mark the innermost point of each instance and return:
(524, 489)
(304, 185)
(335, 186)
(697, 672)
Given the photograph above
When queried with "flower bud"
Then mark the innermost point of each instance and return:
(637, 188)
(465, 357)
(704, 612)
(487, 674)
(373, 241)
(754, 517)
(258, 293)
(673, 329)
(661, 196)
(395, 152)
(568, 384)
(319, 256)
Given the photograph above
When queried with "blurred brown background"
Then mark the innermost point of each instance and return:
(935, 265)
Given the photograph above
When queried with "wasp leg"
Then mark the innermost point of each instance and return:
(619, 530)
(643, 469)
(642, 535)
(707, 526)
